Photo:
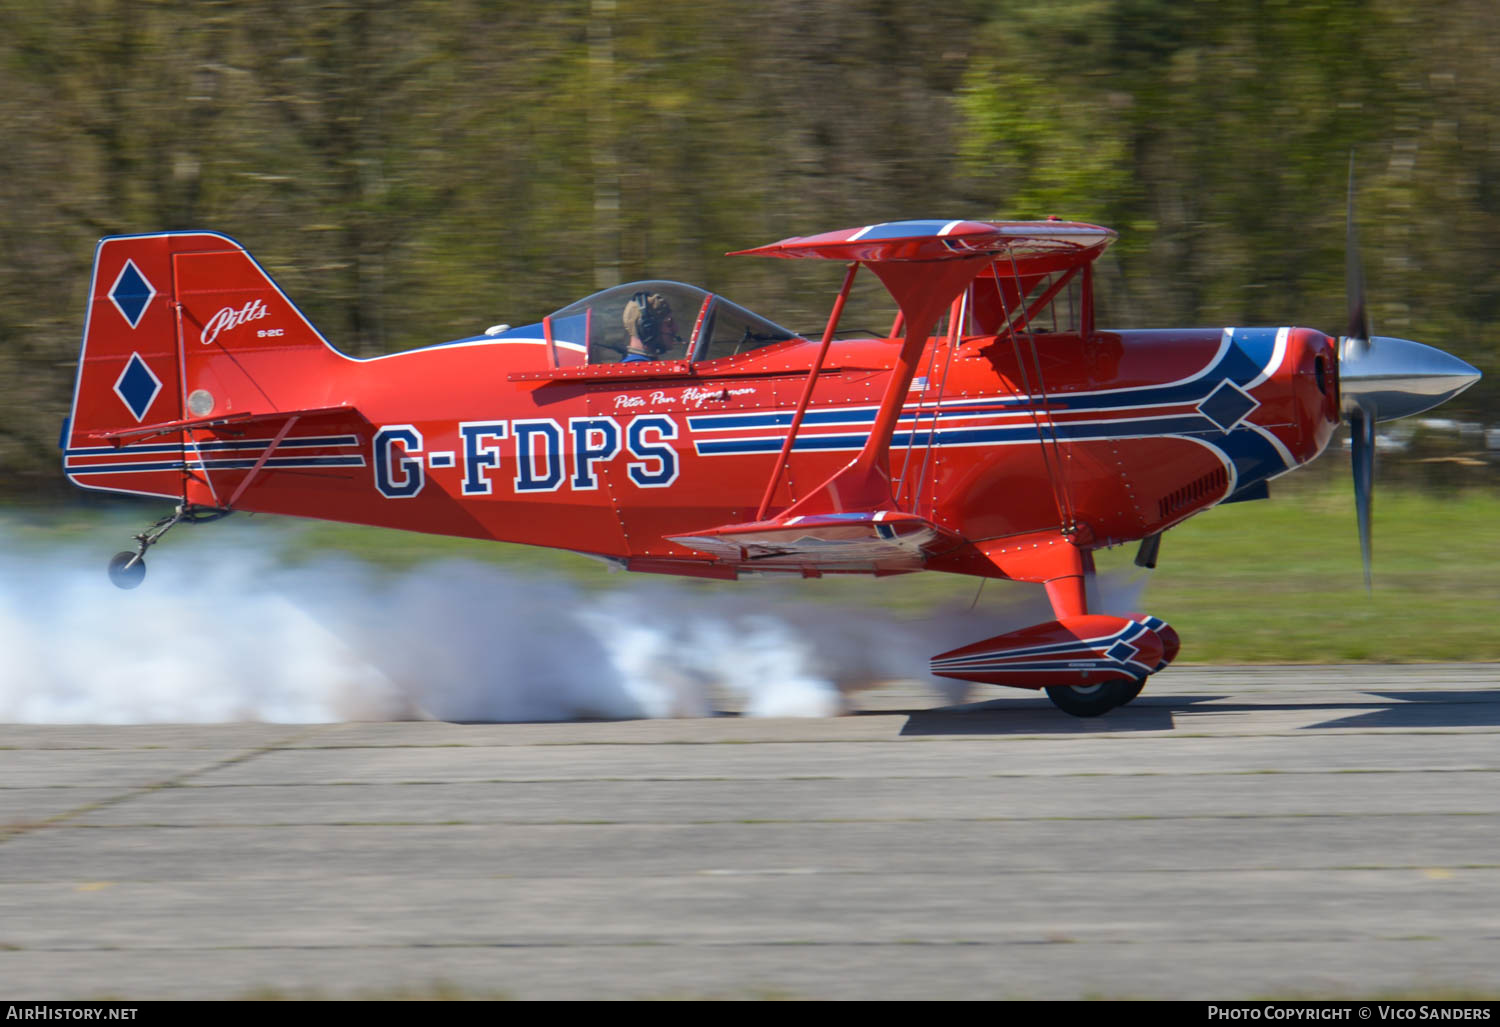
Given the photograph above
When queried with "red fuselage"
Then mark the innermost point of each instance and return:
(1116, 436)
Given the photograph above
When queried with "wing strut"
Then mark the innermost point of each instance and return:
(1040, 303)
(957, 314)
(807, 391)
(280, 435)
(922, 289)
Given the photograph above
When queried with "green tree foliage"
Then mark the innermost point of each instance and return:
(414, 171)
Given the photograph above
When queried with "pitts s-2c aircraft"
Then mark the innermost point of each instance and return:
(995, 432)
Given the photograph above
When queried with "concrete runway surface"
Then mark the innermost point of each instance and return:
(1236, 832)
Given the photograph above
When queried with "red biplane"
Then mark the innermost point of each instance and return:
(994, 432)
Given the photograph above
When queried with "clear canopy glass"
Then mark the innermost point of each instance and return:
(661, 320)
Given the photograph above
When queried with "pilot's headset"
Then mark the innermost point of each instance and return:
(648, 328)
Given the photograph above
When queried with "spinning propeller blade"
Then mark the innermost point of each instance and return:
(1362, 457)
(1358, 330)
(1381, 379)
(1356, 344)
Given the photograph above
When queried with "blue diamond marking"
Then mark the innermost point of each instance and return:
(1121, 652)
(131, 293)
(137, 387)
(1227, 405)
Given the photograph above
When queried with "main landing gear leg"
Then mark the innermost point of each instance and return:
(128, 570)
(1068, 594)
(1089, 663)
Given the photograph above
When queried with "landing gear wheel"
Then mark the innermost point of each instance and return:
(1093, 700)
(127, 570)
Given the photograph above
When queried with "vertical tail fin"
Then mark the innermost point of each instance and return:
(182, 328)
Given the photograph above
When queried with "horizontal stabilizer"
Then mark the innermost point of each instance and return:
(243, 418)
(213, 460)
(886, 540)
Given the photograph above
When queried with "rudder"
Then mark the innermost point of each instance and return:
(181, 327)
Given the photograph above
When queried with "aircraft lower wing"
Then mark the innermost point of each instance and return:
(885, 540)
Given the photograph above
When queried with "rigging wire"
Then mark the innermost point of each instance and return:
(1046, 437)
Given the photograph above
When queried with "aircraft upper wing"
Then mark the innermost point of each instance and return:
(1035, 247)
(924, 265)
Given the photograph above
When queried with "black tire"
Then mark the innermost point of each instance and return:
(127, 570)
(1093, 700)
(1131, 689)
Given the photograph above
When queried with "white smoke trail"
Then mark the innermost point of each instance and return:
(223, 634)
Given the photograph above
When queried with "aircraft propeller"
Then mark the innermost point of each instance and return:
(1382, 379)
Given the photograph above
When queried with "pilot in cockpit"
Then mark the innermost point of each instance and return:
(651, 327)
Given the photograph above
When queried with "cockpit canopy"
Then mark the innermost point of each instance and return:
(671, 320)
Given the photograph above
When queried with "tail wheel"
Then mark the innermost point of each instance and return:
(1093, 700)
(127, 570)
